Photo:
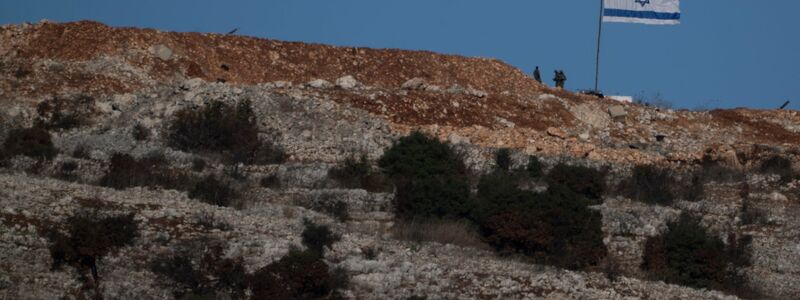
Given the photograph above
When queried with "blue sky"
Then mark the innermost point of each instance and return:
(726, 53)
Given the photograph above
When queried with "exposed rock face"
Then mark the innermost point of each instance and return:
(144, 77)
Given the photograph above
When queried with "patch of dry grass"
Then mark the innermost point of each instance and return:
(460, 233)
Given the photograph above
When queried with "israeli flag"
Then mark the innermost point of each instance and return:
(655, 12)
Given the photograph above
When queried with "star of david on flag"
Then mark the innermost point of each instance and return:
(655, 12)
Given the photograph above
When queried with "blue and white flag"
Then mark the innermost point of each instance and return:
(656, 12)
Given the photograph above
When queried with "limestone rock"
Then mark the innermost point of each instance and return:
(414, 84)
(617, 112)
(320, 84)
(347, 82)
(161, 51)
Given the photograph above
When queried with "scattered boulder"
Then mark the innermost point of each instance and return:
(617, 112)
(320, 84)
(505, 123)
(415, 84)
(347, 82)
(161, 51)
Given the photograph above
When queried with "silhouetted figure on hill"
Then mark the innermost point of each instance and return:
(537, 75)
(560, 78)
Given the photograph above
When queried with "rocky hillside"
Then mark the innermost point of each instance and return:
(105, 103)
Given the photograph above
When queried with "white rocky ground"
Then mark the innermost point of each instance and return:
(318, 133)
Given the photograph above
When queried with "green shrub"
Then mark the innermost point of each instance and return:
(555, 227)
(586, 181)
(213, 191)
(89, 238)
(220, 127)
(535, 168)
(650, 184)
(420, 156)
(687, 254)
(317, 237)
(353, 174)
(503, 159)
(433, 197)
(430, 177)
(31, 142)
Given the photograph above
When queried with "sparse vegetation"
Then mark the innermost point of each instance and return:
(90, 237)
(717, 171)
(150, 171)
(298, 275)
(535, 167)
(503, 159)
(780, 166)
(212, 275)
(140, 132)
(80, 151)
(198, 164)
(455, 232)
(270, 182)
(224, 128)
(32, 142)
(354, 174)
(317, 237)
(588, 182)
(67, 171)
(555, 227)
(65, 113)
(687, 254)
(302, 274)
(213, 191)
(650, 184)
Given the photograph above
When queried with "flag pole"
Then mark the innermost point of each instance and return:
(599, 34)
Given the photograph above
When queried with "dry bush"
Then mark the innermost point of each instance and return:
(90, 237)
(650, 184)
(688, 254)
(589, 182)
(461, 232)
(200, 270)
(780, 166)
(213, 191)
(65, 113)
(355, 174)
(31, 142)
(140, 132)
(298, 275)
(150, 171)
(220, 127)
(503, 159)
(270, 182)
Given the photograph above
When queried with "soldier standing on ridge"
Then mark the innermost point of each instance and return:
(559, 78)
(537, 75)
